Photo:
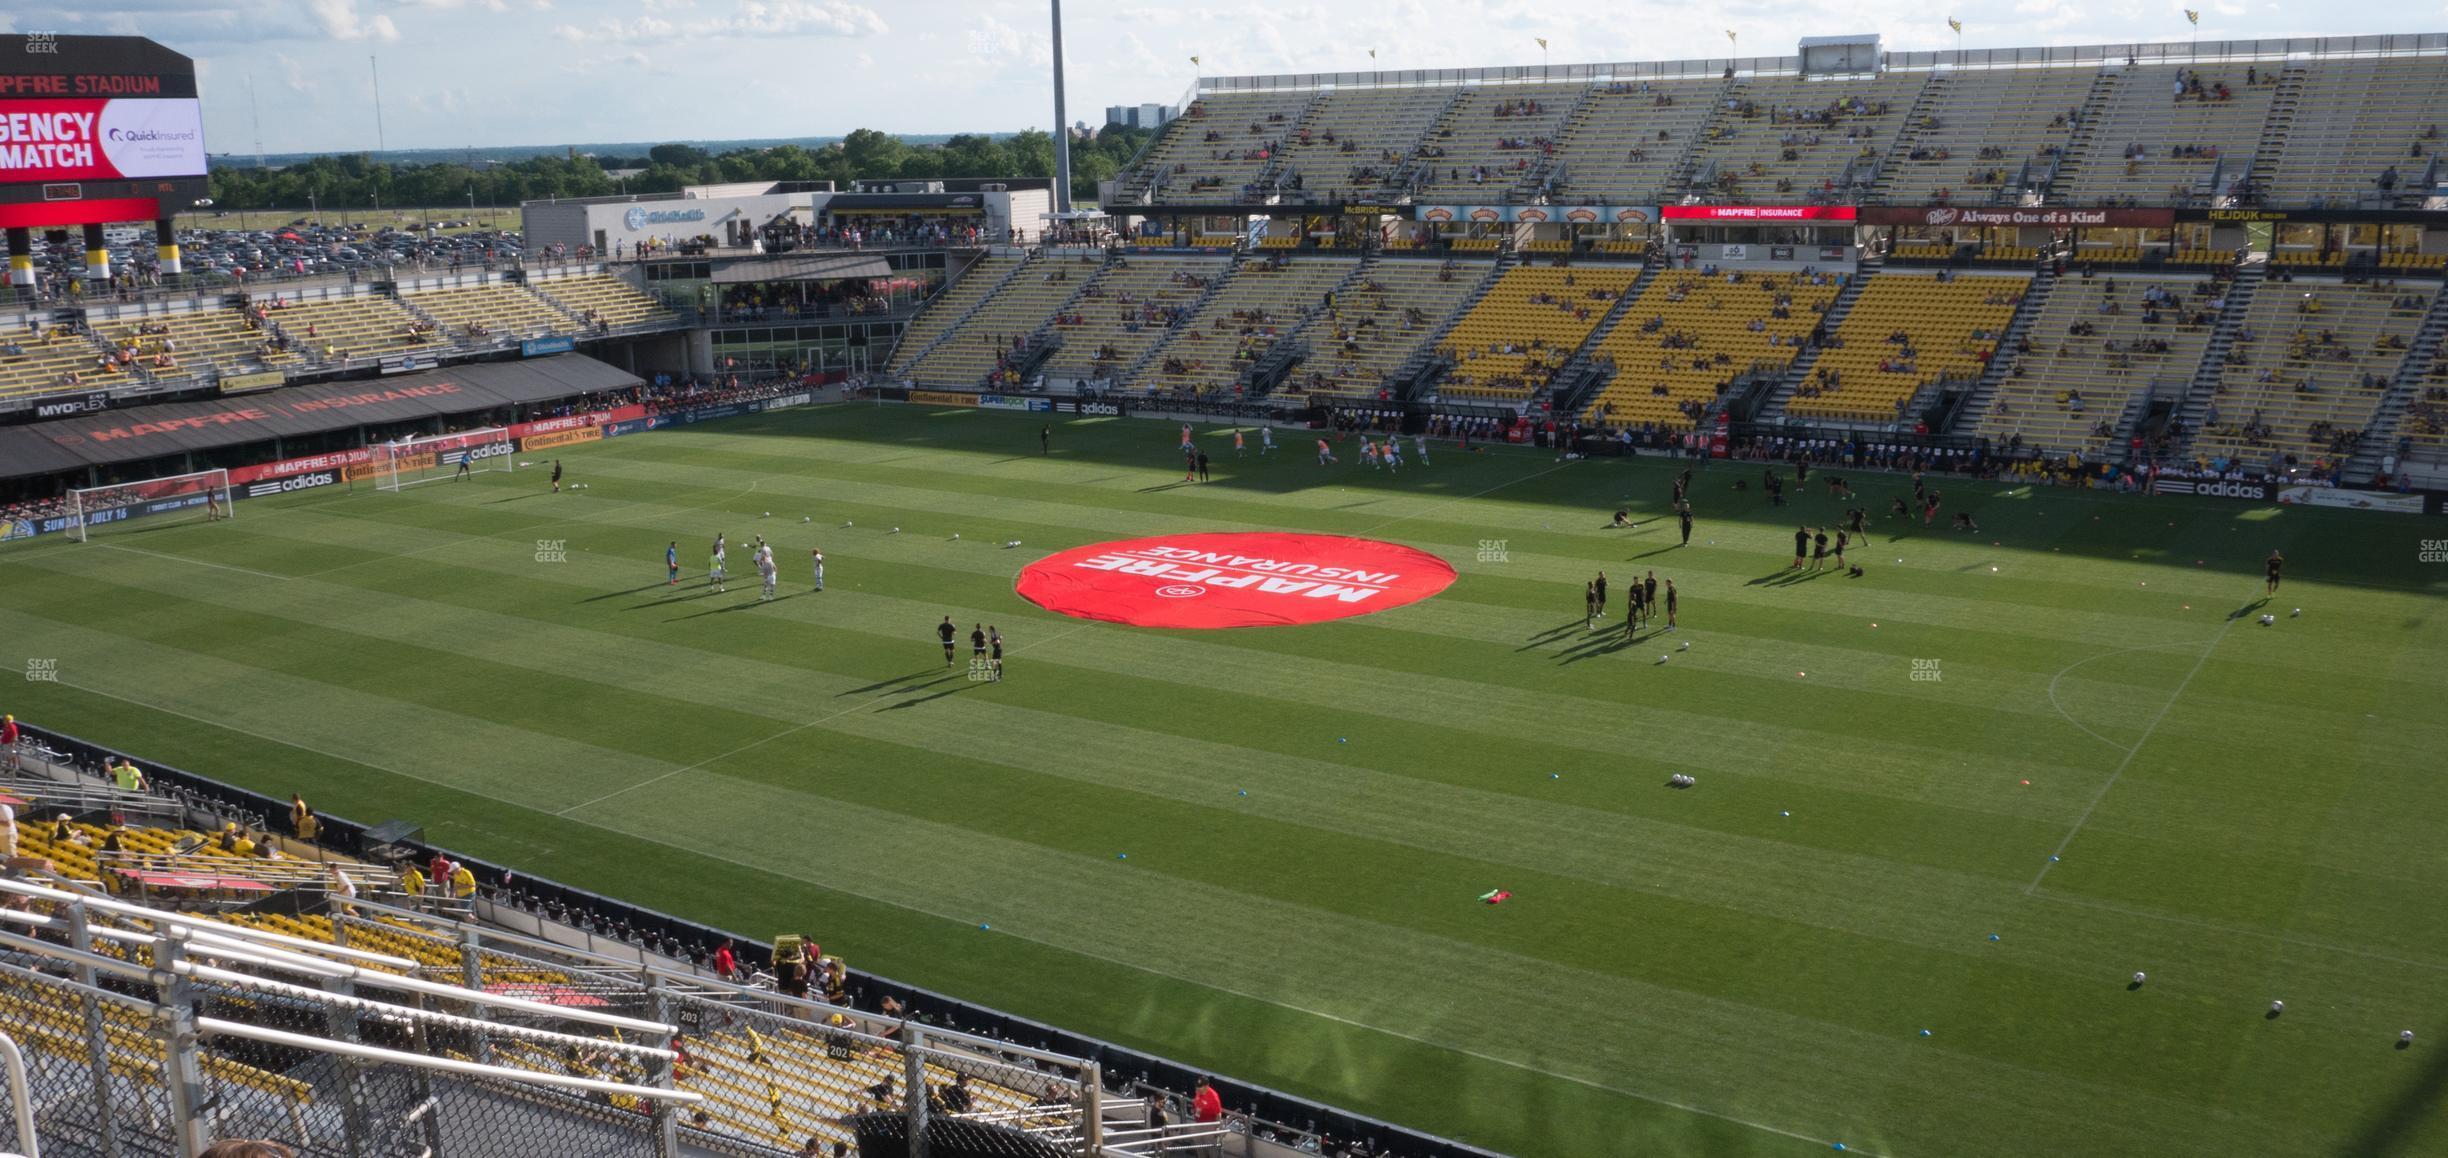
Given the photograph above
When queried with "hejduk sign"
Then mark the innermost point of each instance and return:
(100, 140)
(1255, 579)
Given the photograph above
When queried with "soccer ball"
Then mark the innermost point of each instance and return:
(2266, 620)
(1686, 646)
(766, 515)
(1664, 658)
(2296, 614)
(956, 534)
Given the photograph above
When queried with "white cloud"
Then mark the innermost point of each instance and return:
(341, 21)
(805, 18)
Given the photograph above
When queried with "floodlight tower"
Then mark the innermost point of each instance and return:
(1062, 126)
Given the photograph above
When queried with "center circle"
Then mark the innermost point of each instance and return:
(1232, 579)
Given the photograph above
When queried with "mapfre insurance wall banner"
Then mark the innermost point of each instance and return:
(100, 140)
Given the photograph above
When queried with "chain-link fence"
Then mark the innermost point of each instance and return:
(802, 1078)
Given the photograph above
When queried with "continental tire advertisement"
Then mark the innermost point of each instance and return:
(560, 438)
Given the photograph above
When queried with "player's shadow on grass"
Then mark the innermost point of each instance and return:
(618, 594)
(2249, 608)
(1787, 577)
(748, 606)
(517, 498)
(1166, 486)
(1606, 644)
(1548, 636)
(1658, 551)
(686, 595)
(880, 685)
(2385, 1132)
(965, 685)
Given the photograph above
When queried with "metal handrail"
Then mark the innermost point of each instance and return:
(20, 1097)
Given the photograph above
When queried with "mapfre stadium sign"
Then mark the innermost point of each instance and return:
(1256, 579)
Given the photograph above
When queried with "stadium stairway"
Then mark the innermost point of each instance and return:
(2086, 136)
(955, 295)
(1273, 170)
(2197, 398)
(1916, 124)
(1196, 309)
(1829, 323)
(2408, 385)
(2035, 299)
(1582, 373)
(1400, 182)
(1423, 367)
(2280, 125)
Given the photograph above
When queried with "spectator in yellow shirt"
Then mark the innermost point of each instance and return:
(462, 883)
(412, 883)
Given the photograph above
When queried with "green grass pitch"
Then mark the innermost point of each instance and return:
(1745, 967)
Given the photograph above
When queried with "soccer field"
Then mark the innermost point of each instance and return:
(1856, 927)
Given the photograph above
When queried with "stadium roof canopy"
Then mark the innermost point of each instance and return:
(141, 432)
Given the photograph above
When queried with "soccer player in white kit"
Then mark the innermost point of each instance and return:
(816, 557)
(1266, 440)
(1420, 440)
(716, 572)
(767, 572)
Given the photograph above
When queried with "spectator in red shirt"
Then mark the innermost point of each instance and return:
(8, 740)
(1206, 1105)
(725, 965)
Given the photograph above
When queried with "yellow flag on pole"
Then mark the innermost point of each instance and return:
(2192, 17)
(1194, 60)
(1542, 44)
(1955, 24)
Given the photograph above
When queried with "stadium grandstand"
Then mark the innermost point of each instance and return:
(2220, 265)
(210, 965)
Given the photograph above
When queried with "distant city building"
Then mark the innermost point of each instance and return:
(1138, 116)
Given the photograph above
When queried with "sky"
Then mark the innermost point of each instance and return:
(546, 72)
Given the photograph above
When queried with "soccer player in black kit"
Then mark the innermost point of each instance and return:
(1683, 515)
(977, 643)
(2276, 562)
(945, 631)
(1801, 546)
(1600, 587)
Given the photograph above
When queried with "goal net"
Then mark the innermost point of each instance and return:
(420, 460)
(204, 495)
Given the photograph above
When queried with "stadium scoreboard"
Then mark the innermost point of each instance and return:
(95, 130)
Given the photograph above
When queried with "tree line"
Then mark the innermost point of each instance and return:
(357, 181)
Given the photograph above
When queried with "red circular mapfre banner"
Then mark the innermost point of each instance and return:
(1255, 579)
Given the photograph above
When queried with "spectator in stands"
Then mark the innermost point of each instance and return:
(954, 1098)
(302, 820)
(8, 741)
(462, 884)
(125, 775)
(412, 883)
(8, 830)
(726, 966)
(1206, 1105)
(340, 891)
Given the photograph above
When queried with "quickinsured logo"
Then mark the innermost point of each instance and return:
(1263, 579)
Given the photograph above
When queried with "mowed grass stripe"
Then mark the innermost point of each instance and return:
(2313, 939)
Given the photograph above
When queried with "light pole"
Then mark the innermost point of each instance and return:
(1062, 126)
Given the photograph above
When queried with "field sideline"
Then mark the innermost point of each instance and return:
(1743, 968)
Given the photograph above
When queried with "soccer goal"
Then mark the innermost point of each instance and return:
(421, 460)
(204, 494)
